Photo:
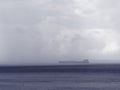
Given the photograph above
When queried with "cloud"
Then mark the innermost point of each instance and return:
(37, 31)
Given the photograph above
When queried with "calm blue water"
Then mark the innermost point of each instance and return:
(90, 77)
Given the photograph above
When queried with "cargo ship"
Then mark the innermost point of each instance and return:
(85, 61)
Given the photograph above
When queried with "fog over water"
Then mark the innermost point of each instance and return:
(46, 31)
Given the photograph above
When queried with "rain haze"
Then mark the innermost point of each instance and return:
(47, 31)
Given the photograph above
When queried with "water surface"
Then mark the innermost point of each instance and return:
(61, 78)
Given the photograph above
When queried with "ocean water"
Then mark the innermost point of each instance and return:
(90, 77)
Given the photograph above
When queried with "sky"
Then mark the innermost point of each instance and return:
(48, 31)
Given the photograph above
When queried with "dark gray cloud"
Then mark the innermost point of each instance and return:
(36, 31)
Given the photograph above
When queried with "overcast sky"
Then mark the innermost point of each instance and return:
(46, 31)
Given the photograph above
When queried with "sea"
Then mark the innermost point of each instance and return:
(63, 77)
